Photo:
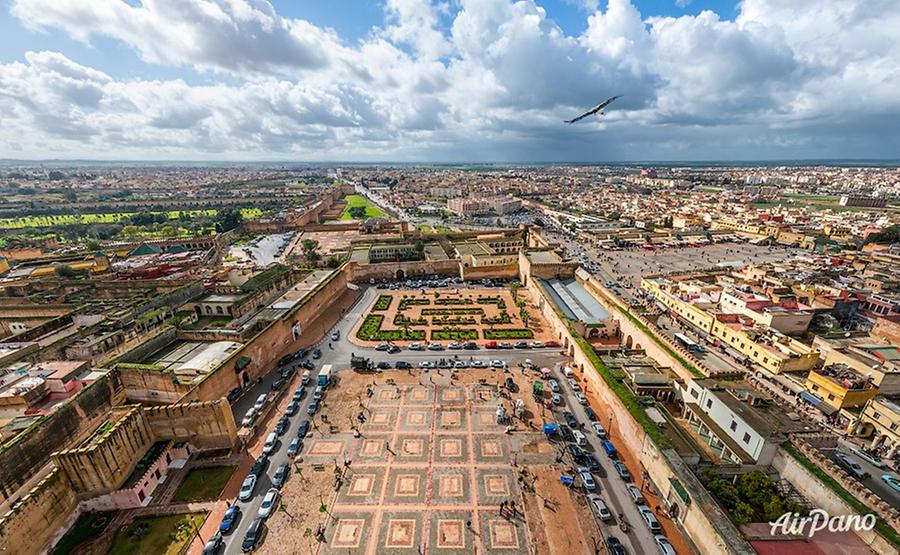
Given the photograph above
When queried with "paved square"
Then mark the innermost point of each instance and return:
(406, 486)
(399, 532)
(348, 533)
(412, 448)
(452, 395)
(326, 447)
(450, 486)
(491, 448)
(499, 535)
(363, 487)
(448, 534)
(373, 447)
(453, 419)
(495, 485)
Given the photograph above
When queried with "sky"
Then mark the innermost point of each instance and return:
(449, 80)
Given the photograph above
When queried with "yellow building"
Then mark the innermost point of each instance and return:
(840, 387)
(766, 347)
(4, 265)
(880, 419)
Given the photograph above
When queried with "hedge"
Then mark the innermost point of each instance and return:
(521, 333)
(383, 302)
(370, 330)
(404, 303)
(452, 311)
(455, 334)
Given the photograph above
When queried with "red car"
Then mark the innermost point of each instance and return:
(551, 343)
(490, 345)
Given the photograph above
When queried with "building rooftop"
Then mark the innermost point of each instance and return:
(544, 257)
(188, 359)
(575, 302)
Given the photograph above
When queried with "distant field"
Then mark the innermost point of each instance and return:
(814, 198)
(372, 211)
(72, 219)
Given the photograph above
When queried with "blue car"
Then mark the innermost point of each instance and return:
(230, 518)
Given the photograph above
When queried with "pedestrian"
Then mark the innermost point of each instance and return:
(468, 524)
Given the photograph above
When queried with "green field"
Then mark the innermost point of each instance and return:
(372, 211)
(163, 535)
(203, 484)
(72, 219)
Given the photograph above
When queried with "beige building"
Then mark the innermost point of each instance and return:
(880, 419)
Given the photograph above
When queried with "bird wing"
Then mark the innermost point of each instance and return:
(594, 110)
(607, 102)
(581, 117)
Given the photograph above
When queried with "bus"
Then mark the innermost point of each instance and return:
(685, 340)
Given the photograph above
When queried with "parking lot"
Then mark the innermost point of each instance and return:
(402, 461)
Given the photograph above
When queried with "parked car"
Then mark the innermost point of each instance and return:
(510, 384)
(504, 345)
(278, 384)
(580, 398)
(298, 394)
(635, 494)
(249, 417)
(294, 447)
(271, 442)
(598, 429)
(664, 546)
(497, 363)
(460, 364)
(288, 372)
(303, 429)
(235, 394)
(566, 433)
(570, 419)
(892, 481)
(254, 535)
(313, 408)
(232, 514)
(435, 347)
(383, 347)
(282, 425)
(576, 452)
(292, 408)
(622, 471)
(591, 415)
(868, 457)
(599, 507)
(556, 399)
(247, 488)
(261, 401)
(267, 507)
(317, 354)
(318, 393)
(213, 545)
(281, 474)
(383, 365)
(426, 364)
(574, 385)
(649, 519)
(415, 347)
(851, 466)
(554, 385)
(455, 346)
(609, 448)
(402, 365)
(537, 345)
(586, 479)
(259, 465)
(490, 345)
(479, 364)
(521, 345)
(335, 335)
(551, 344)
(591, 462)
(614, 546)
(393, 349)
(308, 364)
(580, 440)
(470, 346)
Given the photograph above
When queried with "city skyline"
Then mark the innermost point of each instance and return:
(413, 81)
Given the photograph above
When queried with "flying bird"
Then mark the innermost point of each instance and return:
(595, 109)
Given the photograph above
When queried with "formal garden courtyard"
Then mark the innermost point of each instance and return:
(461, 315)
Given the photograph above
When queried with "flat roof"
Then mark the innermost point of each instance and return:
(293, 295)
(221, 298)
(193, 358)
(544, 257)
(575, 302)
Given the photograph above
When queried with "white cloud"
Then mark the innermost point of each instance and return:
(485, 79)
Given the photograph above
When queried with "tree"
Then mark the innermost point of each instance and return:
(64, 270)
(70, 195)
(310, 249)
(228, 219)
(357, 212)
(333, 262)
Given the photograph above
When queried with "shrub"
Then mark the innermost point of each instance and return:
(404, 303)
(383, 302)
(370, 330)
(520, 333)
(448, 311)
(454, 334)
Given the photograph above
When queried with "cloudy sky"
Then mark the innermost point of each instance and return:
(449, 80)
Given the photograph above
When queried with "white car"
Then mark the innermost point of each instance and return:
(649, 519)
(460, 364)
(247, 488)
(586, 479)
(479, 364)
(426, 364)
(664, 546)
(574, 385)
(581, 398)
(598, 429)
(268, 503)
(497, 363)
(415, 347)
(864, 455)
(554, 385)
(635, 494)
(271, 441)
(599, 507)
(537, 344)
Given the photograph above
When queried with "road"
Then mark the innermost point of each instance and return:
(873, 482)
(338, 354)
(610, 487)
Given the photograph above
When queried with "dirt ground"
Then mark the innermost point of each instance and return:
(536, 324)
(549, 510)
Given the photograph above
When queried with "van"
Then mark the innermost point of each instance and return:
(580, 440)
(608, 448)
(269, 446)
(260, 401)
(567, 372)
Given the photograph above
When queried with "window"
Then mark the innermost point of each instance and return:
(875, 415)
(765, 360)
(733, 425)
(831, 396)
(815, 387)
(708, 403)
(747, 439)
(219, 310)
(694, 393)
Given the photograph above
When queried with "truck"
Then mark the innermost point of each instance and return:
(538, 389)
(324, 379)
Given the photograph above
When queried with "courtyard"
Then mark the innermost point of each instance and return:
(461, 315)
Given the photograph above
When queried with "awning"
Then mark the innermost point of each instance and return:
(679, 489)
(241, 362)
(817, 402)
